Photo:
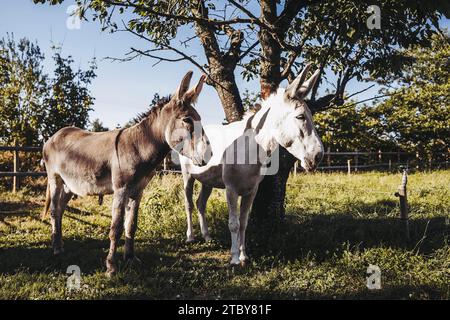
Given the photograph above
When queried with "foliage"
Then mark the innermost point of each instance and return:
(353, 50)
(414, 118)
(417, 115)
(97, 126)
(69, 100)
(336, 226)
(23, 88)
(352, 128)
(333, 34)
(35, 105)
(249, 99)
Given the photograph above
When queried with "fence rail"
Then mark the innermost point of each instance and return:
(16, 174)
(19, 148)
(352, 161)
(401, 193)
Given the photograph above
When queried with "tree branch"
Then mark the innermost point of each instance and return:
(183, 55)
(287, 67)
(212, 22)
(249, 49)
(244, 10)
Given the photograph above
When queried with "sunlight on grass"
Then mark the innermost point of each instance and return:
(336, 226)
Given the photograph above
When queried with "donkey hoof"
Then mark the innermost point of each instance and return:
(190, 239)
(58, 251)
(207, 238)
(235, 262)
(111, 268)
(244, 262)
(132, 262)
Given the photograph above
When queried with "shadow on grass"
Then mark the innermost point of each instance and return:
(17, 208)
(386, 293)
(305, 233)
(300, 234)
(88, 254)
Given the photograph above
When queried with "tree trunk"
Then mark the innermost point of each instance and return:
(269, 201)
(270, 72)
(221, 65)
(225, 85)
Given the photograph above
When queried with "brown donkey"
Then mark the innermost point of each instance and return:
(121, 162)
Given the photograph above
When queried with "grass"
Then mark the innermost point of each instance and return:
(336, 226)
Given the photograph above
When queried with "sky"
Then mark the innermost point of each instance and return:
(121, 89)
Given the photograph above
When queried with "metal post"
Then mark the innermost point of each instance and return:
(16, 181)
(295, 168)
(349, 169)
(402, 195)
(329, 157)
(165, 164)
(417, 160)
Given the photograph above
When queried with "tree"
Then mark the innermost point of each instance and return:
(417, 114)
(268, 38)
(23, 87)
(69, 100)
(97, 126)
(34, 105)
(353, 127)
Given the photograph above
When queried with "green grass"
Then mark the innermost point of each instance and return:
(336, 226)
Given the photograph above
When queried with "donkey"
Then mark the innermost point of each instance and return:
(121, 162)
(284, 119)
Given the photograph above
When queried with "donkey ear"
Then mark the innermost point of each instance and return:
(308, 85)
(291, 90)
(192, 95)
(184, 86)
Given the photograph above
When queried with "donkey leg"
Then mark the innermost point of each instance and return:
(131, 216)
(118, 212)
(201, 206)
(246, 204)
(233, 225)
(65, 197)
(56, 187)
(189, 206)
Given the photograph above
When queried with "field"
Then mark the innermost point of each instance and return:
(336, 226)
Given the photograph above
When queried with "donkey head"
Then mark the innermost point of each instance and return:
(184, 131)
(293, 123)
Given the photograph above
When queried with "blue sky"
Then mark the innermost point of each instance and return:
(121, 90)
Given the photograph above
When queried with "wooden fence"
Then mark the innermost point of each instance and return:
(16, 174)
(364, 160)
(333, 161)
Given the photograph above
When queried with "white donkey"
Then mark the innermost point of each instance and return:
(240, 151)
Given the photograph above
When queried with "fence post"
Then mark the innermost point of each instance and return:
(349, 169)
(295, 168)
(329, 157)
(417, 160)
(402, 195)
(16, 181)
(390, 164)
(165, 164)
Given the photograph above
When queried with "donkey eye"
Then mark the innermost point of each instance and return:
(301, 117)
(188, 120)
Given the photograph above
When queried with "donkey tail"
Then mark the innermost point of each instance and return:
(47, 202)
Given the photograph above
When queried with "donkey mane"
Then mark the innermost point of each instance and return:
(152, 110)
